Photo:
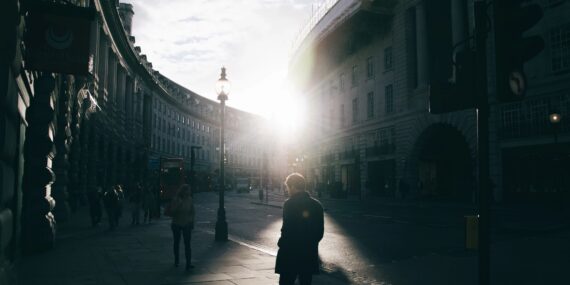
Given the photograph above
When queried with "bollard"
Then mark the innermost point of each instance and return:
(471, 232)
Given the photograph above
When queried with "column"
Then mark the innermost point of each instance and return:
(78, 145)
(12, 129)
(458, 22)
(38, 222)
(83, 157)
(62, 146)
(103, 162)
(93, 179)
(112, 169)
(421, 46)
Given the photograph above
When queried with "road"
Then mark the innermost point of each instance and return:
(396, 245)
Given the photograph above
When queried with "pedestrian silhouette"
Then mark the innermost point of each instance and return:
(136, 204)
(302, 230)
(120, 201)
(147, 203)
(111, 201)
(181, 209)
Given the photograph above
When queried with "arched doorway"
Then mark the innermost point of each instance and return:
(444, 164)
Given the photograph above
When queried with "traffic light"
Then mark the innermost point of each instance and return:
(512, 19)
(448, 96)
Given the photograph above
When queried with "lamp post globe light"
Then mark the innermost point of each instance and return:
(222, 89)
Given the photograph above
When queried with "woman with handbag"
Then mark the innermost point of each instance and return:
(181, 209)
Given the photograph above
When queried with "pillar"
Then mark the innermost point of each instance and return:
(38, 222)
(458, 21)
(422, 46)
(61, 163)
(92, 178)
(76, 160)
(12, 135)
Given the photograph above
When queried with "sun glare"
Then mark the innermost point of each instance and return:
(283, 108)
(287, 115)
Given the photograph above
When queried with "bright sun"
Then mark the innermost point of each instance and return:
(284, 111)
(287, 114)
(282, 107)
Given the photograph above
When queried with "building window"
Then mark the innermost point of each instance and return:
(560, 47)
(354, 78)
(370, 105)
(341, 82)
(354, 110)
(389, 99)
(370, 67)
(388, 58)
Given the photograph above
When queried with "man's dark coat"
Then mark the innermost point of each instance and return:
(303, 228)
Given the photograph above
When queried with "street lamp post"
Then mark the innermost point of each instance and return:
(192, 163)
(223, 89)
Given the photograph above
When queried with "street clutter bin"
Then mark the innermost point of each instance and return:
(471, 231)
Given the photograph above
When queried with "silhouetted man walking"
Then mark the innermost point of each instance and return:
(302, 230)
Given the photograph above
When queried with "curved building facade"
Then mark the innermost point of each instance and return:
(91, 112)
(365, 69)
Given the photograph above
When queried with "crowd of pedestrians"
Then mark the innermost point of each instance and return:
(301, 232)
(139, 200)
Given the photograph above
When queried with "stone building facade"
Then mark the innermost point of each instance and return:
(63, 136)
(365, 68)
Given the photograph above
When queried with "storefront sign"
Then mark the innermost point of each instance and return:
(58, 39)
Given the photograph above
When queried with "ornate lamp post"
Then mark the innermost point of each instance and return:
(222, 89)
(192, 163)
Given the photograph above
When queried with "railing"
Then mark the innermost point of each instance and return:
(316, 16)
(377, 6)
(531, 117)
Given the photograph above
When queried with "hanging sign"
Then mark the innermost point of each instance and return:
(58, 39)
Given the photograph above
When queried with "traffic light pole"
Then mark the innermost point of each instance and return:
(482, 140)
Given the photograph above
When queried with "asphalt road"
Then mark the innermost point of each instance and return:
(395, 245)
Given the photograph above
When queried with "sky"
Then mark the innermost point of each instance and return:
(190, 40)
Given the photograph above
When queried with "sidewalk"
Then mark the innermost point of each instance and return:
(143, 255)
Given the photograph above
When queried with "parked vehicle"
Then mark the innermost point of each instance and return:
(171, 177)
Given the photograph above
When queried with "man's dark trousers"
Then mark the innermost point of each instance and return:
(289, 278)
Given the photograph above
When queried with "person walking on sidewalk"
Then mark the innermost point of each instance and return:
(111, 201)
(147, 203)
(181, 209)
(302, 230)
(136, 204)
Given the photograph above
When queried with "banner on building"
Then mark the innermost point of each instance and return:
(58, 39)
